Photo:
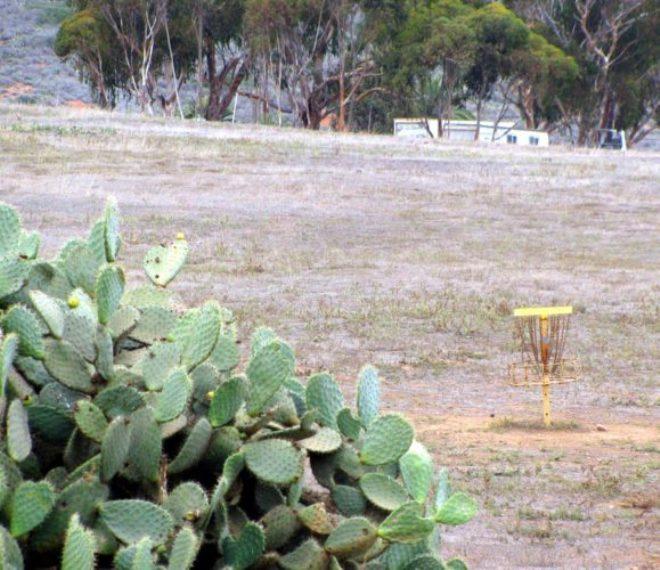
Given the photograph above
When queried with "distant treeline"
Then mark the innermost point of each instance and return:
(573, 65)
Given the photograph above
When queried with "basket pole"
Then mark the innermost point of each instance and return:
(545, 357)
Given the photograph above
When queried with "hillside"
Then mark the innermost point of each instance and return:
(410, 255)
(29, 70)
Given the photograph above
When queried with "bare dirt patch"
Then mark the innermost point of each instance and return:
(411, 256)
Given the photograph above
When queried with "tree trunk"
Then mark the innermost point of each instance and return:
(341, 115)
(526, 97)
(584, 130)
(314, 116)
(213, 107)
(199, 37)
(218, 104)
(478, 129)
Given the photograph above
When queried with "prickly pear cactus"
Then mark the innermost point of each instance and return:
(130, 438)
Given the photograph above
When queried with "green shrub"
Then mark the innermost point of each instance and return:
(132, 440)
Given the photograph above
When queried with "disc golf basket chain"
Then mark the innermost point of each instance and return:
(542, 333)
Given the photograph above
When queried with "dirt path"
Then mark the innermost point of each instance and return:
(571, 498)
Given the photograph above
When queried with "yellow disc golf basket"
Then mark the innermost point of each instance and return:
(542, 333)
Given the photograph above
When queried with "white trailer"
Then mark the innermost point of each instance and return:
(504, 132)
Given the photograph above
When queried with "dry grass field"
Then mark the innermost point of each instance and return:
(409, 255)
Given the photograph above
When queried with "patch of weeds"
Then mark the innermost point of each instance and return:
(530, 514)
(648, 447)
(509, 423)
(61, 130)
(603, 483)
(565, 514)
(632, 400)
(538, 532)
(437, 365)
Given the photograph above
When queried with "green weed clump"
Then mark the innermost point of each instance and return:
(133, 438)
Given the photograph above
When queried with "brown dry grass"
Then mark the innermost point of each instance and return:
(411, 256)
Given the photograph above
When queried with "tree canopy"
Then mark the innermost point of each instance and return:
(577, 66)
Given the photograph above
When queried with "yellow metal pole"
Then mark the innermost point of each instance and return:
(545, 356)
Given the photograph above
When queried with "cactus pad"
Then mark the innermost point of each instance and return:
(132, 520)
(65, 363)
(227, 399)
(158, 362)
(90, 420)
(383, 491)
(353, 536)
(443, 489)
(261, 338)
(406, 524)
(316, 518)
(79, 547)
(230, 472)
(115, 446)
(155, 323)
(8, 350)
(79, 332)
(280, 525)
(308, 556)
(267, 371)
(174, 396)
(350, 501)
(146, 445)
(162, 263)
(368, 395)
(187, 503)
(194, 447)
(325, 440)
(50, 311)
(119, 400)
(243, 552)
(416, 468)
(123, 320)
(81, 266)
(224, 442)
(225, 354)
(323, 394)
(459, 508)
(274, 461)
(19, 440)
(10, 552)
(29, 506)
(348, 425)
(33, 370)
(109, 291)
(111, 230)
(50, 423)
(10, 230)
(25, 324)
(80, 497)
(196, 334)
(184, 550)
(386, 440)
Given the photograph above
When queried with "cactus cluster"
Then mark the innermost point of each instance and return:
(130, 439)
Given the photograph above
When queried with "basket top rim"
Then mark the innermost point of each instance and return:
(542, 311)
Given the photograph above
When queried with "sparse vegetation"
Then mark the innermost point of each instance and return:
(508, 423)
(352, 225)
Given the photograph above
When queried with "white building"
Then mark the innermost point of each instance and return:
(504, 132)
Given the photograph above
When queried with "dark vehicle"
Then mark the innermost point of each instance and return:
(612, 139)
